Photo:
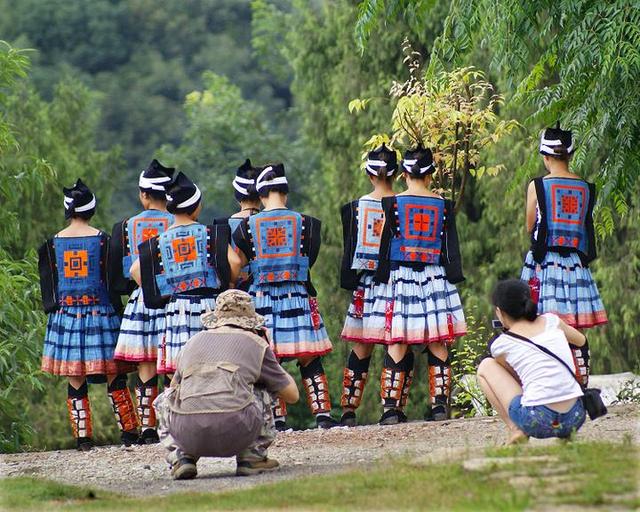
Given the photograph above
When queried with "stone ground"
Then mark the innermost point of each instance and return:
(141, 470)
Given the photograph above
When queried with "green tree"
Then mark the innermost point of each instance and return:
(223, 129)
(577, 62)
(43, 145)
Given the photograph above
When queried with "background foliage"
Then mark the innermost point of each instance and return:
(206, 83)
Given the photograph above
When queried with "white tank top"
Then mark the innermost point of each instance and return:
(544, 380)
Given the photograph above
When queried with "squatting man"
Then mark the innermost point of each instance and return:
(219, 402)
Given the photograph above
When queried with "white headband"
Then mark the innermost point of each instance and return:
(408, 164)
(188, 202)
(260, 184)
(237, 184)
(371, 164)
(89, 206)
(545, 145)
(152, 183)
(275, 181)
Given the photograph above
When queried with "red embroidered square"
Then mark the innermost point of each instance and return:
(184, 249)
(276, 237)
(76, 264)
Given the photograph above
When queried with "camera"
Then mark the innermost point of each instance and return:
(497, 324)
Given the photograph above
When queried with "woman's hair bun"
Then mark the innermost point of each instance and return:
(513, 297)
(530, 309)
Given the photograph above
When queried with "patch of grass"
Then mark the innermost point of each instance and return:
(600, 474)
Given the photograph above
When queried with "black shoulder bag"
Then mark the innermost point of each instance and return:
(591, 399)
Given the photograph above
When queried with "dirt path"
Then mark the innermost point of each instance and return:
(141, 470)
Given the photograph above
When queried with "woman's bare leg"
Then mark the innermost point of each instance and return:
(500, 388)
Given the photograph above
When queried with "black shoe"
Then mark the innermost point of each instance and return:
(402, 417)
(437, 413)
(389, 417)
(325, 421)
(84, 444)
(129, 437)
(348, 419)
(184, 469)
(281, 425)
(149, 436)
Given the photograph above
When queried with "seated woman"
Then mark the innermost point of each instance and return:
(534, 394)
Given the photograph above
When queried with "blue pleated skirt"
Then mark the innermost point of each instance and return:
(81, 340)
(567, 289)
(414, 307)
(296, 326)
(141, 331)
(182, 321)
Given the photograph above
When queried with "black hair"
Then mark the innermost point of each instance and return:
(172, 208)
(83, 215)
(158, 195)
(561, 154)
(514, 298)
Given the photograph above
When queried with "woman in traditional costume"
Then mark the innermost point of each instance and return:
(244, 185)
(280, 246)
(142, 328)
(560, 221)
(362, 222)
(83, 317)
(183, 270)
(419, 263)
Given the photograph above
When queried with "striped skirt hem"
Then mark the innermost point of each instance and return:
(82, 368)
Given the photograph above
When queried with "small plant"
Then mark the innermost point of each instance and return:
(629, 392)
(454, 113)
(467, 397)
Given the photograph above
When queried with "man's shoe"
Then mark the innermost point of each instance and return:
(437, 413)
(389, 417)
(281, 425)
(325, 421)
(129, 437)
(84, 444)
(255, 467)
(149, 436)
(184, 469)
(348, 419)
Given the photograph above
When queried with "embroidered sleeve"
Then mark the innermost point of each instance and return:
(348, 276)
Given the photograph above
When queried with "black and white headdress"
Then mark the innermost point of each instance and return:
(183, 195)
(381, 161)
(155, 177)
(245, 181)
(418, 161)
(556, 142)
(272, 176)
(79, 200)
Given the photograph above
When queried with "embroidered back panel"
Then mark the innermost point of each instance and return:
(140, 228)
(420, 222)
(184, 257)
(277, 242)
(370, 223)
(567, 201)
(79, 266)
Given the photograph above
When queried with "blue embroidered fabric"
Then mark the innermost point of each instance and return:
(140, 228)
(370, 223)
(184, 256)
(567, 202)
(277, 243)
(419, 222)
(79, 267)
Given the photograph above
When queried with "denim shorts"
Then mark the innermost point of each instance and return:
(540, 421)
